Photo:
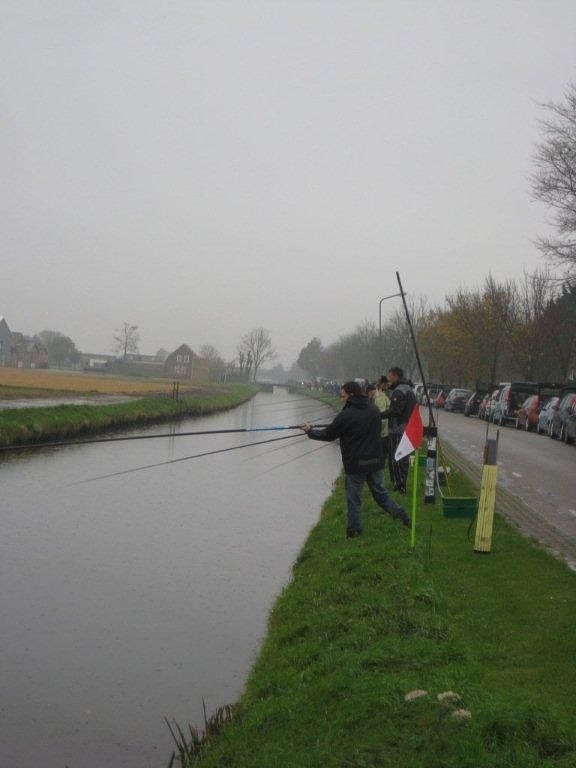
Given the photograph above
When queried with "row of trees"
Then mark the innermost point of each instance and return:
(254, 349)
(61, 350)
(510, 330)
(503, 331)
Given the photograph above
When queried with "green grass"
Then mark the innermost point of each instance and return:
(36, 425)
(365, 621)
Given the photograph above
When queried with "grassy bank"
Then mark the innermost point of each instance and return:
(37, 425)
(365, 621)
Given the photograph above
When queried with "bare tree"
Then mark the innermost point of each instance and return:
(126, 340)
(255, 348)
(216, 364)
(554, 181)
(530, 341)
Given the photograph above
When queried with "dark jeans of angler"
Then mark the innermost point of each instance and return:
(398, 469)
(353, 485)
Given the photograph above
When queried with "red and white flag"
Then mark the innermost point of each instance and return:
(413, 435)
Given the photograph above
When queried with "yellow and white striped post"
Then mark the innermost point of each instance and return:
(487, 501)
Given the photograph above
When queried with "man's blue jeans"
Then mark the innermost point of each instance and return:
(353, 485)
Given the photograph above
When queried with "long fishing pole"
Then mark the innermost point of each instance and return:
(276, 428)
(265, 453)
(183, 458)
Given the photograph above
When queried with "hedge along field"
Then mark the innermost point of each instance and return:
(38, 425)
(49, 382)
(366, 622)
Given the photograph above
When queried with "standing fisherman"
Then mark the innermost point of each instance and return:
(382, 402)
(358, 427)
(402, 402)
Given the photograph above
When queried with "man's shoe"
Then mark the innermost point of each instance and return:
(404, 518)
(351, 533)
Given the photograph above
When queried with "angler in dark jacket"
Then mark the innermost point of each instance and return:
(402, 402)
(358, 427)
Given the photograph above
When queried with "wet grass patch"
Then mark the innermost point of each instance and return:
(39, 425)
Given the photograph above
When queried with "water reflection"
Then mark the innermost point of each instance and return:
(129, 599)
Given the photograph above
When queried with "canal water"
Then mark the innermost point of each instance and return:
(129, 599)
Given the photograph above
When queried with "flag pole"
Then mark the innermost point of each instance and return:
(414, 498)
(432, 429)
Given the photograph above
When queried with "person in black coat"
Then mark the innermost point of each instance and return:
(358, 427)
(402, 402)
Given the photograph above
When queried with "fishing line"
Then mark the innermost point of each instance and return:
(271, 450)
(295, 458)
(175, 461)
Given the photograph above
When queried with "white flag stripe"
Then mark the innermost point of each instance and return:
(405, 447)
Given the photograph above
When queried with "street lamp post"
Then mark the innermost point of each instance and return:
(384, 298)
(392, 296)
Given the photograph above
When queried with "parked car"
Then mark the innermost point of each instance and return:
(568, 426)
(527, 415)
(440, 399)
(490, 405)
(433, 391)
(457, 399)
(472, 407)
(510, 397)
(546, 415)
(419, 392)
(563, 422)
(483, 407)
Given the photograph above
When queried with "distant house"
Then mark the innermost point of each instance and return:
(183, 363)
(95, 362)
(27, 352)
(5, 342)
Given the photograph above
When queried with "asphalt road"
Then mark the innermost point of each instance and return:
(539, 471)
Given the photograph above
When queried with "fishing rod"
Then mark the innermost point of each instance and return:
(60, 444)
(176, 461)
(267, 452)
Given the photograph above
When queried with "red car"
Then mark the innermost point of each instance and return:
(440, 399)
(529, 412)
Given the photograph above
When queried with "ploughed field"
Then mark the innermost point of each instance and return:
(15, 382)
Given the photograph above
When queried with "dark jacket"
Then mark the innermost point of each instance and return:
(358, 426)
(402, 402)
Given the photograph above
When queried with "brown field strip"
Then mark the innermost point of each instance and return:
(80, 382)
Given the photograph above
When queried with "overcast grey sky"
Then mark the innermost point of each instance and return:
(204, 168)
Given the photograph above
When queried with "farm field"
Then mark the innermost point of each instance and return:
(16, 382)
(61, 419)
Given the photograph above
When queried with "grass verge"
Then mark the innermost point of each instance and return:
(365, 621)
(37, 425)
